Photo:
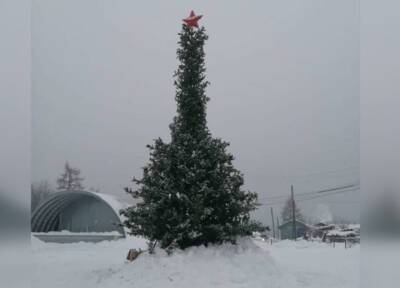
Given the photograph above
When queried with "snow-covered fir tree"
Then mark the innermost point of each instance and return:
(70, 180)
(190, 192)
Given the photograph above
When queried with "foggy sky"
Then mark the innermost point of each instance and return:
(284, 91)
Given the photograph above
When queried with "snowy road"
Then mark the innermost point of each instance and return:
(281, 265)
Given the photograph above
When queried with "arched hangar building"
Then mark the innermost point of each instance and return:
(73, 216)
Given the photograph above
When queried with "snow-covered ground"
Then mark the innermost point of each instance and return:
(315, 264)
(284, 264)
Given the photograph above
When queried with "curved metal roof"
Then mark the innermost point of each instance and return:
(45, 216)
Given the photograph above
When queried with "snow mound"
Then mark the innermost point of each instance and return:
(251, 263)
(241, 265)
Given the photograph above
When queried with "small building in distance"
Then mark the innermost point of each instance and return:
(320, 229)
(286, 230)
(73, 216)
(350, 233)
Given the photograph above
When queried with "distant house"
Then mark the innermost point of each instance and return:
(320, 229)
(349, 233)
(353, 227)
(340, 236)
(286, 229)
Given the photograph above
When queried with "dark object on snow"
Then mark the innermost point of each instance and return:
(133, 254)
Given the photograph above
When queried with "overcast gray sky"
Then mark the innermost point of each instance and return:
(284, 91)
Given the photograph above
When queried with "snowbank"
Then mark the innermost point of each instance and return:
(242, 265)
(103, 265)
(299, 244)
(66, 233)
(251, 263)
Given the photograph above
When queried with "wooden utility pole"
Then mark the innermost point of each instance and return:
(277, 226)
(273, 222)
(293, 214)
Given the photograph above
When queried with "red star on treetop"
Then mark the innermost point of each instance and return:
(192, 20)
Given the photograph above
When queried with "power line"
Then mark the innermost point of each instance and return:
(313, 192)
(320, 193)
(344, 203)
(327, 172)
(336, 188)
(325, 195)
(308, 175)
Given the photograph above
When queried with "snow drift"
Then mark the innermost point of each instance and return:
(242, 265)
(96, 265)
(251, 263)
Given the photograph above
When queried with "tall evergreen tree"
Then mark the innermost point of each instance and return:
(70, 180)
(190, 192)
(287, 214)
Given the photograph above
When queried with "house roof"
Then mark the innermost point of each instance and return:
(341, 233)
(45, 215)
(290, 222)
